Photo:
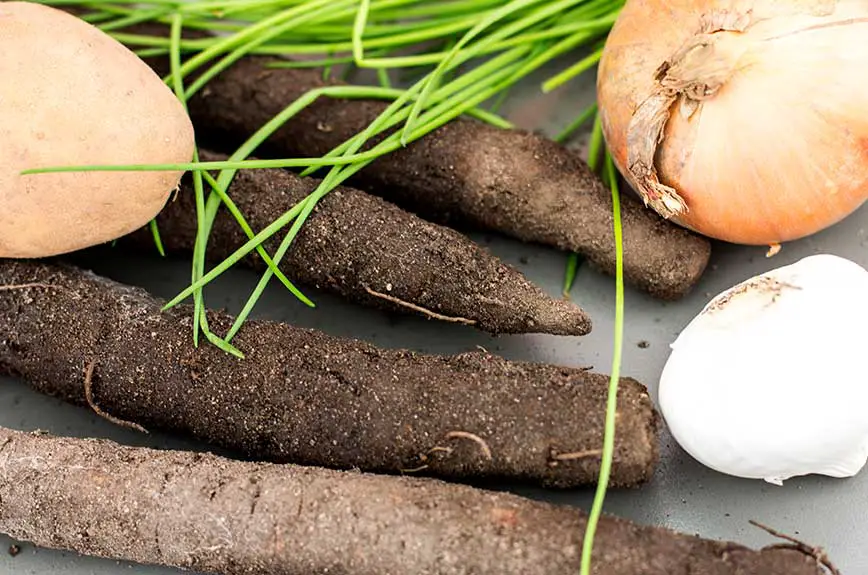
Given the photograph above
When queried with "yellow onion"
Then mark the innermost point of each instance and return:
(743, 121)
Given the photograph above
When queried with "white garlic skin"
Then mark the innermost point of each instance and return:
(770, 380)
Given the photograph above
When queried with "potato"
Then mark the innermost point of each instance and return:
(72, 95)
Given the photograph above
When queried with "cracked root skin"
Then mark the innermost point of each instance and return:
(214, 515)
(303, 396)
(357, 245)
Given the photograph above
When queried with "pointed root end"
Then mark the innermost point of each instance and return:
(560, 317)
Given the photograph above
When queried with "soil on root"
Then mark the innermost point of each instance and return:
(466, 174)
(214, 515)
(306, 397)
(369, 251)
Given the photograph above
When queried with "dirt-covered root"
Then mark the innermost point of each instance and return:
(214, 515)
(371, 252)
(465, 174)
(303, 396)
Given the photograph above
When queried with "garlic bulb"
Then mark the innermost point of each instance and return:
(770, 380)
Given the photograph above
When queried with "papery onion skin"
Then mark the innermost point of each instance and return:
(770, 380)
(780, 151)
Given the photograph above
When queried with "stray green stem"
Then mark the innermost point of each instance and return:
(498, 102)
(155, 231)
(442, 115)
(233, 259)
(578, 68)
(383, 77)
(570, 274)
(478, 76)
(337, 175)
(580, 121)
(286, 21)
(595, 144)
(456, 53)
(200, 320)
(178, 87)
(134, 18)
(222, 196)
(359, 31)
(345, 92)
(612, 400)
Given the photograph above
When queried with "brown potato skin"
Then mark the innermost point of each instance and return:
(71, 95)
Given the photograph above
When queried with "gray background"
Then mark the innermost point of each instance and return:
(683, 495)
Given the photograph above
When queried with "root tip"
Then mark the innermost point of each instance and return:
(561, 317)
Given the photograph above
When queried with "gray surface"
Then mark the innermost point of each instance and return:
(683, 495)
